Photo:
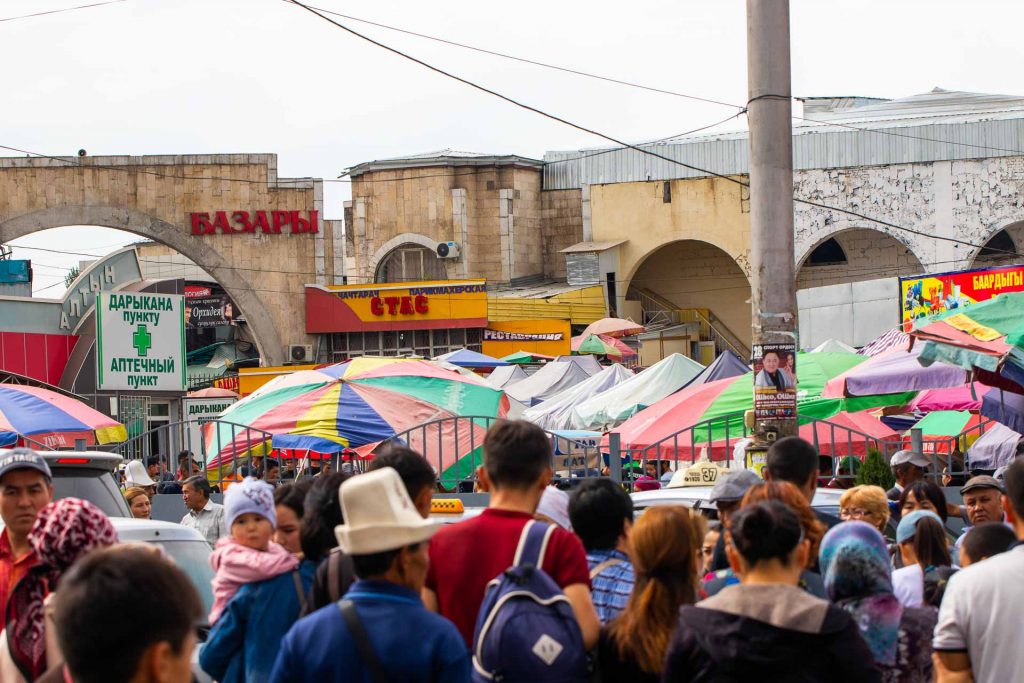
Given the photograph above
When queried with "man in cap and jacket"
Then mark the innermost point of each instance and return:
(726, 495)
(356, 638)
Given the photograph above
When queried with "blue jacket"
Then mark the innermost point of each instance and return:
(413, 644)
(242, 645)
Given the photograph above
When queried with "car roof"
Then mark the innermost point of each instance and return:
(86, 459)
(690, 495)
(151, 530)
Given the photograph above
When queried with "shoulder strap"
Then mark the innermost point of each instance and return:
(533, 543)
(362, 640)
(299, 590)
(333, 588)
(610, 562)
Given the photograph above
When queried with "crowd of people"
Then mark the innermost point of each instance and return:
(348, 578)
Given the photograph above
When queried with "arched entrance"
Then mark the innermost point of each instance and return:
(1002, 248)
(262, 238)
(692, 274)
(408, 263)
(855, 255)
(238, 285)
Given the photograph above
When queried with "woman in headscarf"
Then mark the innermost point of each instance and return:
(855, 565)
(64, 531)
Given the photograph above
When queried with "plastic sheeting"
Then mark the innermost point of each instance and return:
(833, 346)
(465, 358)
(728, 364)
(546, 382)
(995, 448)
(556, 413)
(610, 408)
(506, 376)
(587, 362)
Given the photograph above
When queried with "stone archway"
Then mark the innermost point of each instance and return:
(237, 285)
(1000, 247)
(263, 264)
(693, 273)
(867, 254)
(394, 243)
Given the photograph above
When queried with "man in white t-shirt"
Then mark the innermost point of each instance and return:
(979, 622)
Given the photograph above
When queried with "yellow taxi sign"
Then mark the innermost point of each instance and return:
(450, 506)
(703, 473)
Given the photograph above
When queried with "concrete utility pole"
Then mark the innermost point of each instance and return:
(769, 113)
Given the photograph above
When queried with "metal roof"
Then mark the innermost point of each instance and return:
(586, 247)
(935, 126)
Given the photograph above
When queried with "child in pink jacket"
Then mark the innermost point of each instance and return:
(248, 555)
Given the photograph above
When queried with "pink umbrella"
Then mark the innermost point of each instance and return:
(950, 398)
(613, 327)
(212, 392)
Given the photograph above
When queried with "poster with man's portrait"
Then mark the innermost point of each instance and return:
(774, 381)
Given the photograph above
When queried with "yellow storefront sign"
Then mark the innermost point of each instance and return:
(550, 337)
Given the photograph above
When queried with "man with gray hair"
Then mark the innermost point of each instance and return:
(907, 467)
(203, 514)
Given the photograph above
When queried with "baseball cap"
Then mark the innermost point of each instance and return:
(982, 481)
(732, 486)
(908, 525)
(902, 457)
(23, 459)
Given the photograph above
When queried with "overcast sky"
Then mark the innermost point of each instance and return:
(219, 76)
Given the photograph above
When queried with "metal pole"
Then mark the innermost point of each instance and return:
(614, 456)
(769, 114)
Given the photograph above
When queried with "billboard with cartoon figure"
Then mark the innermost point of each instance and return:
(922, 297)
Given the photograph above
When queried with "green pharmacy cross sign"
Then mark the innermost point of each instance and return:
(142, 340)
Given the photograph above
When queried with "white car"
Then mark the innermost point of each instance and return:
(825, 501)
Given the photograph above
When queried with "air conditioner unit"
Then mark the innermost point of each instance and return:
(448, 250)
(300, 353)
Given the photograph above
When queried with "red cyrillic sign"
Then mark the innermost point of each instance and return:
(241, 222)
(399, 305)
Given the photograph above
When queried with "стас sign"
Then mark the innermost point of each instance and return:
(140, 341)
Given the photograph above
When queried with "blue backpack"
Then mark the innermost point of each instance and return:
(526, 629)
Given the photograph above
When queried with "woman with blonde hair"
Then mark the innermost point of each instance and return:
(865, 504)
(138, 502)
(664, 549)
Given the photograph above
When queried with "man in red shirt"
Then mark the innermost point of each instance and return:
(26, 487)
(464, 557)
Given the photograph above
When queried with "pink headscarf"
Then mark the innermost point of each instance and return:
(64, 532)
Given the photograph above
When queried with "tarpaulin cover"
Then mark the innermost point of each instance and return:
(963, 397)
(1004, 406)
(470, 359)
(556, 412)
(993, 449)
(504, 376)
(728, 364)
(612, 407)
(549, 380)
(833, 346)
(588, 363)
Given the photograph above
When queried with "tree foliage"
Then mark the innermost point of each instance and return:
(875, 471)
(70, 276)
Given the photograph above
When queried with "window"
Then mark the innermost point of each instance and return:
(828, 253)
(410, 262)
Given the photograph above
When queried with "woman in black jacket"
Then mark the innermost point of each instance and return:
(766, 628)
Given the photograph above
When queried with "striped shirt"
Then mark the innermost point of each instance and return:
(611, 588)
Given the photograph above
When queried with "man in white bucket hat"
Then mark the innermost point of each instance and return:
(380, 627)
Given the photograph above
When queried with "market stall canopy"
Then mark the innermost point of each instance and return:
(357, 405)
(728, 364)
(995, 448)
(613, 327)
(465, 358)
(891, 372)
(588, 363)
(52, 419)
(892, 339)
(944, 430)
(618, 404)
(833, 346)
(601, 345)
(526, 357)
(556, 413)
(505, 376)
(986, 338)
(714, 411)
(1005, 407)
(212, 392)
(549, 380)
(964, 397)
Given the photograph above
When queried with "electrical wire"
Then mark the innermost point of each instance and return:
(58, 11)
(612, 139)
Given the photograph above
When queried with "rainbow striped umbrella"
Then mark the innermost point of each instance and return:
(33, 414)
(357, 405)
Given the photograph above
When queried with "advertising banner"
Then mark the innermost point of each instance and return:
(140, 342)
(539, 335)
(209, 311)
(925, 296)
(401, 306)
(197, 412)
(774, 381)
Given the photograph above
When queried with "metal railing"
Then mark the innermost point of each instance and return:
(659, 312)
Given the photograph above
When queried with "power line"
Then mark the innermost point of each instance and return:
(610, 138)
(66, 9)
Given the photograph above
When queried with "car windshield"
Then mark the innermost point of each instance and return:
(193, 557)
(91, 484)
